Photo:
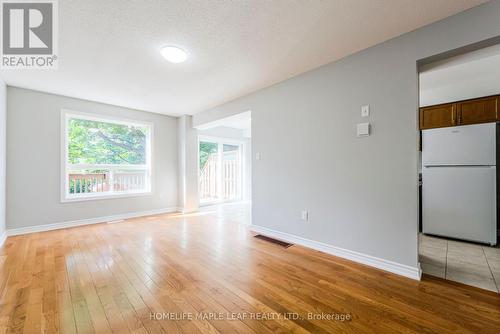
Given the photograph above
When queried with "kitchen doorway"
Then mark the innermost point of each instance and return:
(459, 100)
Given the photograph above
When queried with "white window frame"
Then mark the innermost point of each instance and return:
(65, 195)
(220, 141)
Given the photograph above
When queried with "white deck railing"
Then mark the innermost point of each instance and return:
(230, 175)
(111, 180)
(230, 179)
(208, 179)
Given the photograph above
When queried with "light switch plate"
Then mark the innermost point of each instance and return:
(365, 111)
(257, 156)
(363, 129)
(304, 215)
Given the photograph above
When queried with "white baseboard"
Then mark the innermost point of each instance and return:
(3, 237)
(393, 267)
(89, 221)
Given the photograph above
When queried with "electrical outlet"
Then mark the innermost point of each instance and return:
(305, 215)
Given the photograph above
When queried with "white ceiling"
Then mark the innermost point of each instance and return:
(470, 75)
(109, 49)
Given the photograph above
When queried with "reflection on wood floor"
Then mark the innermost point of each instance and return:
(204, 273)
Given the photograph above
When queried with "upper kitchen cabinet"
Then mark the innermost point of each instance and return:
(439, 116)
(478, 111)
(475, 111)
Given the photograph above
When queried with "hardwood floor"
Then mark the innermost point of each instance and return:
(133, 276)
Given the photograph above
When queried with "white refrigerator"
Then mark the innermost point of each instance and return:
(459, 182)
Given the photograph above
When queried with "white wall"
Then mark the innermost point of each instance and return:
(241, 135)
(188, 164)
(223, 132)
(3, 157)
(34, 159)
(471, 75)
(361, 193)
(247, 169)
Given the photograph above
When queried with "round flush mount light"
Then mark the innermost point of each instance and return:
(174, 54)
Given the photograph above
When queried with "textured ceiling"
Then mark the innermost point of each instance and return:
(109, 49)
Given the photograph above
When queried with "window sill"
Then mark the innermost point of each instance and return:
(98, 197)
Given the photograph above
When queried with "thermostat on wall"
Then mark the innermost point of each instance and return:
(363, 129)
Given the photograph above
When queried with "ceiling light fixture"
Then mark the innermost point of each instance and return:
(174, 54)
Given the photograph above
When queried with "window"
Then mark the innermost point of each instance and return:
(104, 157)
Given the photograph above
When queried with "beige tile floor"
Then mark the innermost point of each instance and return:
(459, 261)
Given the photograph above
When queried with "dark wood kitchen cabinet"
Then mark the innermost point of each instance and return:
(478, 111)
(474, 111)
(439, 116)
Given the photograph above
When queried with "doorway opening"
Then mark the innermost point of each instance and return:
(224, 160)
(459, 100)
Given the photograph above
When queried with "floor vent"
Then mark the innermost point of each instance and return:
(274, 241)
